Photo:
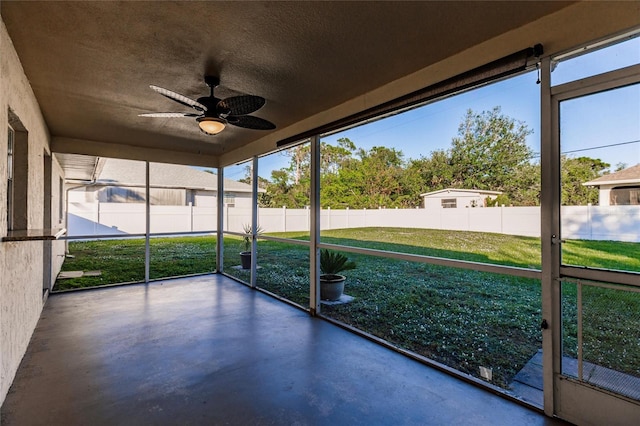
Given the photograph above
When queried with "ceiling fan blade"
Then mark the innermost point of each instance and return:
(250, 122)
(169, 114)
(181, 99)
(240, 105)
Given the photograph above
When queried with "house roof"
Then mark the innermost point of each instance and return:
(90, 64)
(470, 191)
(629, 175)
(132, 173)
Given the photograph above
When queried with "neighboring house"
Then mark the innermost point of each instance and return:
(621, 188)
(122, 181)
(451, 198)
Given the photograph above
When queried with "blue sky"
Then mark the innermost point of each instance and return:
(586, 123)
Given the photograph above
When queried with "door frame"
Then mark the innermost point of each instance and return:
(564, 396)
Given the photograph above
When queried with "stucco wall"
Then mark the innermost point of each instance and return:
(22, 263)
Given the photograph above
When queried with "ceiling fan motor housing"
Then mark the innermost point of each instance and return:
(211, 103)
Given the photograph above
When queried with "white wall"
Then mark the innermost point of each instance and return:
(22, 263)
(621, 223)
(463, 199)
(604, 195)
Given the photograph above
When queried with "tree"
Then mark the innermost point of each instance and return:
(575, 172)
(524, 188)
(290, 186)
(488, 151)
(373, 179)
(334, 157)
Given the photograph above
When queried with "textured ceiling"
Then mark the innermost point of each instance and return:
(90, 63)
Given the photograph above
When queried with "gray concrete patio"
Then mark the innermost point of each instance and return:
(208, 350)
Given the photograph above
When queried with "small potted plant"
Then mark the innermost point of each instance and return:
(331, 283)
(247, 238)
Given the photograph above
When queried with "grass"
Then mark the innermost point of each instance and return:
(123, 260)
(461, 318)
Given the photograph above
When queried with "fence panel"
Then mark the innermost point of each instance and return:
(616, 223)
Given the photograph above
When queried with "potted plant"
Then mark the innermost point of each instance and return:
(247, 238)
(331, 283)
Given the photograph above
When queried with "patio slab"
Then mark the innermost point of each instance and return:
(208, 350)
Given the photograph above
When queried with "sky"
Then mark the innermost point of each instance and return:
(604, 126)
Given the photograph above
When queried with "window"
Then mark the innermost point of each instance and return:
(449, 203)
(625, 196)
(10, 178)
(229, 199)
(17, 174)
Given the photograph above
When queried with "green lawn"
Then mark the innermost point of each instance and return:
(464, 319)
(123, 260)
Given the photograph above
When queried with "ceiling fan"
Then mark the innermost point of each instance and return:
(214, 114)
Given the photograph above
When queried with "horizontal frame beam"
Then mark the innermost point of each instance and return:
(65, 145)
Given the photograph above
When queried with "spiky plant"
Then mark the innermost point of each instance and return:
(332, 263)
(248, 235)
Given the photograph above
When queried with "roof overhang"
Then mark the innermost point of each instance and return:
(623, 182)
(464, 191)
(90, 63)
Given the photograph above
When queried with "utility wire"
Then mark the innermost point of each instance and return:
(537, 154)
(603, 146)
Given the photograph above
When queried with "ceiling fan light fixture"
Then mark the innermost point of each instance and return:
(211, 125)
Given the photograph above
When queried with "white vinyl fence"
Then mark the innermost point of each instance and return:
(617, 223)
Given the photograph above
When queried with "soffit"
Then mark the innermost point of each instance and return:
(78, 167)
(90, 63)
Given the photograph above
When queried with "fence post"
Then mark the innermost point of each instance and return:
(328, 217)
(589, 221)
(284, 218)
(95, 226)
(191, 216)
(347, 217)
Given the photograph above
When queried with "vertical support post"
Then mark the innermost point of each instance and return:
(254, 221)
(66, 217)
(220, 220)
(550, 236)
(226, 215)
(147, 246)
(47, 253)
(580, 342)
(314, 234)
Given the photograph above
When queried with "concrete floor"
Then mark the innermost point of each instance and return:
(208, 350)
